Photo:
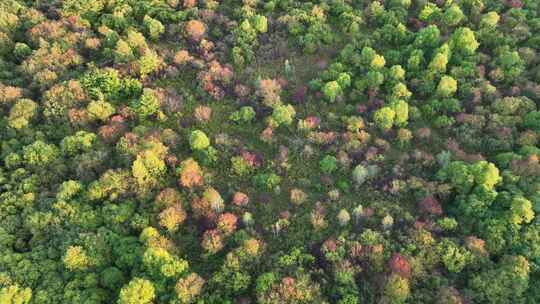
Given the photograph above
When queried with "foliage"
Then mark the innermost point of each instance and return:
(281, 151)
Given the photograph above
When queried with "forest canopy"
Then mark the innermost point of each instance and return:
(272, 152)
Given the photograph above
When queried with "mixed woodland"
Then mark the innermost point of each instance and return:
(269, 151)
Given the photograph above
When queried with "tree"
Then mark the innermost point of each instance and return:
(82, 8)
(463, 177)
(428, 37)
(521, 211)
(384, 118)
(190, 173)
(511, 64)
(123, 52)
(147, 105)
(112, 278)
(396, 289)
(532, 120)
(158, 262)
(153, 27)
(454, 258)
(453, 15)
(260, 23)
(245, 114)
(100, 110)
(195, 30)
(138, 291)
(447, 86)
(22, 112)
(490, 20)
(148, 169)
(343, 217)
(189, 288)
(429, 12)
(270, 91)
(332, 90)
(360, 174)
(506, 283)
(227, 223)
(76, 258)
(440, 60)
(283, 114)
(40, 154)
(328, 164)
(82, 141)
(149, 62)
(198, 140)
(399, 265)
(401, 110)
(212, 241)
(463, 41)
(215, 200)
(13, 294)
(172, 217)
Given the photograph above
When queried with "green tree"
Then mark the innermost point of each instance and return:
(138, 291)
(396, 289)
(153, 27)
(198, 140)
(453, 15)
(158, 262)
(14, 294)
(447, 87)
(148, 169)
(332, 90)
(149, 62)
(521, 211)
(147, 105)
(328, 164)
(260, 23)
(464, 41)
(22, 112)
(506, 283)
(401, 110)
(40, 154)
(100, 110)
(283, 114)
(384, 118)
(76, 258)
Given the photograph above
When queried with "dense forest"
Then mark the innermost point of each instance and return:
(269, 151)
